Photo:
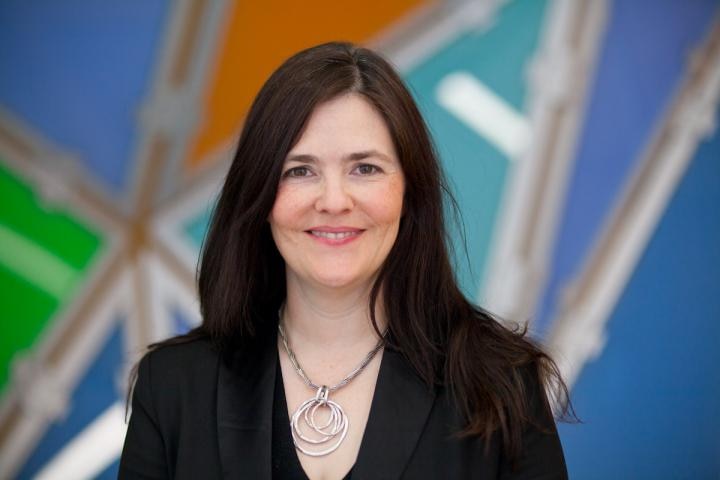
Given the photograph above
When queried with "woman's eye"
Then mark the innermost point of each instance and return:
(297, 172)
(366, 169)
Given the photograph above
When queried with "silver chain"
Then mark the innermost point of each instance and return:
(311, 437)
(371, 354)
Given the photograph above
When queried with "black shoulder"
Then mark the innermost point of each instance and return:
(171, 373)
(191, 356)
(174, 396)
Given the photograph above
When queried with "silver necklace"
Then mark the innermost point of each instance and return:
(332, 432)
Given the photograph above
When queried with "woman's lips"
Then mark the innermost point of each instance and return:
(334, 235)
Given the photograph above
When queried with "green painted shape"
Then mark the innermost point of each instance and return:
(25, 312)
(499, 58)
(26, 308)
(48, 226)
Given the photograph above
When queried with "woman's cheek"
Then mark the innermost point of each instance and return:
(390, 206)
(288, 202)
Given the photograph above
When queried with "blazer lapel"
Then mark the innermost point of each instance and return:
(400, 407)
(244, 411)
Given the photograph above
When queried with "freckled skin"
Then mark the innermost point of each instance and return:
(334, 190)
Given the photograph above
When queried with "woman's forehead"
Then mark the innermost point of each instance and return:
(345, 127)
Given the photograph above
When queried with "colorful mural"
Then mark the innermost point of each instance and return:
(579, 137)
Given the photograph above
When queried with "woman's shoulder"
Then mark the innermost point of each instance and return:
(182, 349)
(173, 396)
(178, 362)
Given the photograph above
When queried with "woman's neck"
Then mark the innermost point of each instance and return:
(329, 319)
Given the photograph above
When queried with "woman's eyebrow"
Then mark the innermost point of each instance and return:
(367, 154)
(302, 158)
(351, 157)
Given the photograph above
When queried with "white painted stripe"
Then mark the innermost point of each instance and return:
(35, 264)
(484, 112)
(92, 451)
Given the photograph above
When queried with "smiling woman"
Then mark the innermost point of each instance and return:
(335, 342)
(339, 202)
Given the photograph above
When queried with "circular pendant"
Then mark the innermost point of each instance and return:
(314, 437)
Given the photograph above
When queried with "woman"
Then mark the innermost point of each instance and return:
(335, 341)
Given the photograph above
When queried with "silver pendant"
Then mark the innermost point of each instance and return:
(331, 433)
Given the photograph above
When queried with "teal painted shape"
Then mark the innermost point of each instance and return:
(196, 228)
(498, 57)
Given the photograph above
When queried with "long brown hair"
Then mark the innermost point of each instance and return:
(445, 338)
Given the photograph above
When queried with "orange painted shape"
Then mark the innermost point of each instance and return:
(260, 35)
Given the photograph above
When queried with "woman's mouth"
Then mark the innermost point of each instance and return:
(335, 236)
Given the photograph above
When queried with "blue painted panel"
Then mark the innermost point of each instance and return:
(650, 402)
(97, 391)
(498, 57)
(78, 70)
(647, 48)
(181, 324)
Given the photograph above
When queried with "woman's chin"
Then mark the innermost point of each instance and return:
(340, 282)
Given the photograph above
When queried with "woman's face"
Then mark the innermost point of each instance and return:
(340, 198)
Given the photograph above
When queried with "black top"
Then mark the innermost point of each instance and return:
(199, 414)
(285, 462)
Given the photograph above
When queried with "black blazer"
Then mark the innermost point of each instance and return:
(197, 416)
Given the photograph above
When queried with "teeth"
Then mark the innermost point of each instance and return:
(334, 236)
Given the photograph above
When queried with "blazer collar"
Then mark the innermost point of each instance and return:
(244, 411)
(399, 410)
(400, 407)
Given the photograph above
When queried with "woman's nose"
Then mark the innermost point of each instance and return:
(333, 197)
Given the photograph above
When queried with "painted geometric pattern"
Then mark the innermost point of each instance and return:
(99, 389)
(242, 67)
(663, 337)
(77, 72)
(543, 112)
(491, 64)
(45, 256)
(653, 353)
(638, 72)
